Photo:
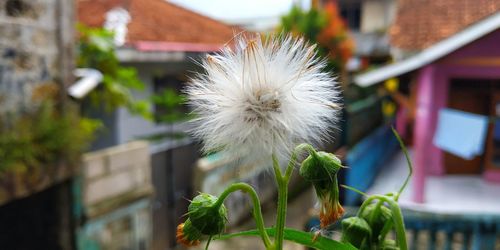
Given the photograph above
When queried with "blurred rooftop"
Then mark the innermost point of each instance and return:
(158, 21)
(422, 23)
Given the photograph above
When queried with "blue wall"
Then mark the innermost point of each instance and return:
(365, 160)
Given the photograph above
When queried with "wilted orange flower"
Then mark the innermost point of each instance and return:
(330, 212)
(184, 238)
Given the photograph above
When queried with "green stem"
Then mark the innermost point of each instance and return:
(408, 162)
(293, 158)
(399, 225)
(282, 182)
(208, 242)
(365, 204)
(257, 212)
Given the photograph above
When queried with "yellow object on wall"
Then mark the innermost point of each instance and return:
(392, 84)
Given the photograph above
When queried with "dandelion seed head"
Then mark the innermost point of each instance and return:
(263, 97)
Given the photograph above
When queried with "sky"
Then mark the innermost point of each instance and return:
(234, 11)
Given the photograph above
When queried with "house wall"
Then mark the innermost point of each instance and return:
(121, 126)
(130, 126)
(478, 60)
(377, 15)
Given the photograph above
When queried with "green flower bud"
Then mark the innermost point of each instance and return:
(355, 230)
(187, 234)
(320, 168)
(376, 216)
(206, 217)
(389, 245)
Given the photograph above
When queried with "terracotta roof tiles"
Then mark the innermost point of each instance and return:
(158, 21)
(421, 23)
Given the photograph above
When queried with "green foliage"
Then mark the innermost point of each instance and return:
(306, 23)
(96, 50)
(43, 137)
(322, 26)
(170, 102)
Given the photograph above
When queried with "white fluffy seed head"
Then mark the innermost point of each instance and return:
(263, 97)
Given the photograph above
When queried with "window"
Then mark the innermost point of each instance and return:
(351, 12)
(168, 105)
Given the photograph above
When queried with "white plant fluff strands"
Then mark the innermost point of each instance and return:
(263, 97)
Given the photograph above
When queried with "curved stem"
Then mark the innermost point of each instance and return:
(257, 212)
(293, 158)
(397, 217)
(365, 204)
(408, 162)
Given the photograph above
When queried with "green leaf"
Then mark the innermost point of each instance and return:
(96, 50)
(300, 237)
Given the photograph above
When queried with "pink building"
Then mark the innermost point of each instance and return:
(451, 52)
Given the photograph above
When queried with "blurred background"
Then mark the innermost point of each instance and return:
(93, 148)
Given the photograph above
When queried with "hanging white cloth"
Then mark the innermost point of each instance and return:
(461, 133)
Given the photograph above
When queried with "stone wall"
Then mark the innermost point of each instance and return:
(36, 47)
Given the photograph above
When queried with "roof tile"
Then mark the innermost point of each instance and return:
(421, 23)
(158, 21)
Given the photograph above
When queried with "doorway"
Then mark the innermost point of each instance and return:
(473, 96)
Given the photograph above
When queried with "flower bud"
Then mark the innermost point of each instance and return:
(187, 234)
(376, 216)
(205, 216)
(320, 168)
(355, 230)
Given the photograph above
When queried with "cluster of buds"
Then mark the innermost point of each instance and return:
(205, 217)
(367, 228)
(320, 168)
(355, 230)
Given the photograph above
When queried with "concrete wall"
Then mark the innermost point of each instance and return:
(115, 176)
(36, 47)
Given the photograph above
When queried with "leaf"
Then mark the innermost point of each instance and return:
(300, 237)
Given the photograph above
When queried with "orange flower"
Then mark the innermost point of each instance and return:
(346, 48)
(187, 235)
(334, 36)
(330, 212)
